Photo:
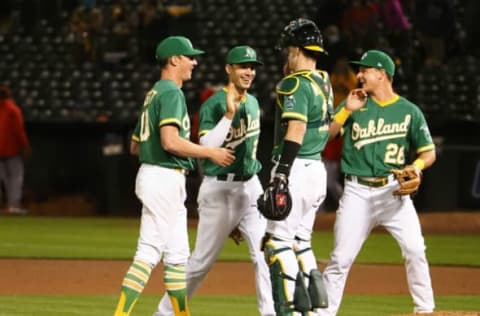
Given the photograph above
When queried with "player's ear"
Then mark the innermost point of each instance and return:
(296, 50)
(382, 75)
(174, 60)
(228, 69)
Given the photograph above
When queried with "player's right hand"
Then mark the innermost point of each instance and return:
(356, 99)
(236, 236)
(222, 156)
(233, 100)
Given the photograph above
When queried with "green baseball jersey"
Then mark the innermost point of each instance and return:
(164, 105)
(379, 137)
(242, 137)
(306, 96)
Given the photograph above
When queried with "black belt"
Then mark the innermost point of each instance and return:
(375, 182)
(234, 177)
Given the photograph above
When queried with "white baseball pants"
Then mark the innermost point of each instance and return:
(224, 205)
(361, 209)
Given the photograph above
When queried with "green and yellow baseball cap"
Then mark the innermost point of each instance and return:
(242, 55)
(175, 46)
(377, 59)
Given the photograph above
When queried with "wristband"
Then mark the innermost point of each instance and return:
(419, 163)
(342, 116)
(290, 151)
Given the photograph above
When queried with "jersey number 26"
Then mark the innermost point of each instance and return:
(395, 154)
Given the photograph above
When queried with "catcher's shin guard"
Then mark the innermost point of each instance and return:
(313, 277)
(317, 291)
(280, 259)
(301, 298)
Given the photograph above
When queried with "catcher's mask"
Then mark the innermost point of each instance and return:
(276, 202)
(303, 33)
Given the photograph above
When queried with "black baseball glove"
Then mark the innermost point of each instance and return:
(276, 202)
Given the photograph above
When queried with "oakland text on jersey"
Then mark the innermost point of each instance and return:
(236, 135)
(379, 130)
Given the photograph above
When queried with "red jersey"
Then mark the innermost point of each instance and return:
(13, 139)
(333, 149)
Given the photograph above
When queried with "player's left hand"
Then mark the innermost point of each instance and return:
(409, 179)
(236, 236)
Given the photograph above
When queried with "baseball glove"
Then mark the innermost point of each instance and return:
(236, 236)
(276, 202)
(409, 179)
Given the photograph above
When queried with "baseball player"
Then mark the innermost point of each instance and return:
(381, 130)
(161, 141)
(301, 131)
(227, 196)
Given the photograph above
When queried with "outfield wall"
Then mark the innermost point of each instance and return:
(92, 159)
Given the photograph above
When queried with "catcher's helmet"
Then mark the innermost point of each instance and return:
(303, 33)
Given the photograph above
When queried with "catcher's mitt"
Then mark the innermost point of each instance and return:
(409, 179)
(276, 202)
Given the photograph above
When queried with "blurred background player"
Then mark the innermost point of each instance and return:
(382, 129)
(227, 197)
(343, 80)
(14, 146)
(161, 140)
(301, 131)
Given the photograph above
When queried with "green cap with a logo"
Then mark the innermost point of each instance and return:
(241, 55)
(175, 46)
(376, 59)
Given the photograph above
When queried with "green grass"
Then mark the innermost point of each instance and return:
(238, 305)
(366, 305)
(68, 237)
(116, 238)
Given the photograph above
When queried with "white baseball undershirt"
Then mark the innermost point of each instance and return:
(217, 135)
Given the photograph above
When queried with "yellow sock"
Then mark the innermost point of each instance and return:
(132, 286)
(176, 285)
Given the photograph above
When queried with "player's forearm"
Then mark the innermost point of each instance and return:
(334, 130)
(425, 159)
(184, 148)
(295, 131)
(217, 135)
(291, 145)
